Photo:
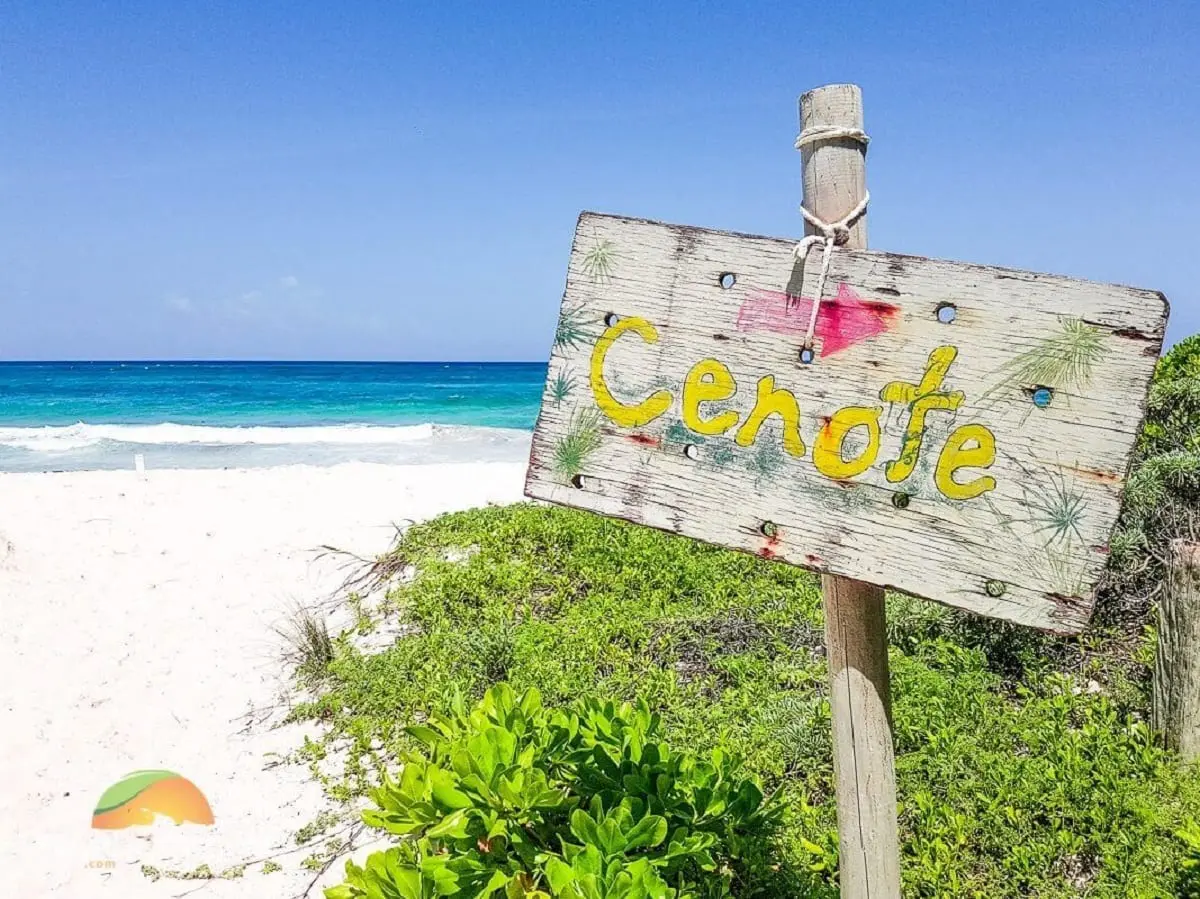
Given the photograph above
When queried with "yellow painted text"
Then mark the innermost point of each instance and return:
(827, 451)
(709, 381)
(956, 454)
(773, 401)
(625, 416)
(971, 446)
(921, 399)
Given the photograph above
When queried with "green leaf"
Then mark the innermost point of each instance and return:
(408, 881)
(511, 789)
(531, 702)
(584, 828)
(392, 823)
(427, 735)
(495, 787)
(498, 828)
(649, 832)
(444, 791)
(505, 743)
(454, 826)
(559, 874)
(610, 836)
(497, 881)
(483, 756)
(589, 861)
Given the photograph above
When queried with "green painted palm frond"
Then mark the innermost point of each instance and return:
(1058, 512)
(599, 261)
(562, 386)
(572, 328)
(1062, 360)
(577, 444)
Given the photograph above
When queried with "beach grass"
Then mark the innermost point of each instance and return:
(1023, 764)
(308, 645)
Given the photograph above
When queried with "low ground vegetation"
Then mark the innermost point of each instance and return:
(1025, 766)
(1049, 785)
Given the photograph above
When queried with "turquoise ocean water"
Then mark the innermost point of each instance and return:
(64, 416)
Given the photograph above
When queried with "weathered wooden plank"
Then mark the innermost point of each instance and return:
(981, 458)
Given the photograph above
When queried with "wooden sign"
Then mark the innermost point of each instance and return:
(962, 432)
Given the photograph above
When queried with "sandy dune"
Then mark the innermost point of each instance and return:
(138, 633)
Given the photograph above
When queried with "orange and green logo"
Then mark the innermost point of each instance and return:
(140, 797)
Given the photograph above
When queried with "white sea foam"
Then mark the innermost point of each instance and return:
(78, 436)
(169, 445)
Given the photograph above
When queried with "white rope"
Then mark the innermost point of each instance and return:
(828, 132)
(829, 233)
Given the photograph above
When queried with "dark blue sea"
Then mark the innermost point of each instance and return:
(63, 416)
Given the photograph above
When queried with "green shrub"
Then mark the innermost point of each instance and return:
(1162, 496)
(1173, 409)
(586, 803)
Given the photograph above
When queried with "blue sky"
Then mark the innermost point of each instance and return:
(401, 180)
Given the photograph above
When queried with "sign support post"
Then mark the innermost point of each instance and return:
(855, 619)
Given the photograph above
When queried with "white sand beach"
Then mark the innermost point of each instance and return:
(139, 618)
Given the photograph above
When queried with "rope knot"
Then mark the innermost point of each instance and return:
(830, 234)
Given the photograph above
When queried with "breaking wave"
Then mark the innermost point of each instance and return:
(167, 445)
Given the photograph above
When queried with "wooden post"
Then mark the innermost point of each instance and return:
(855, 625)
(1175, 703)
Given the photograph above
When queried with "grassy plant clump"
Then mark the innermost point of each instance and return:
(1018, 775)
(308, 644)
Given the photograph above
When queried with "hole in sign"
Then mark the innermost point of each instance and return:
(611, 319)
(995, 588)
(728, 279)
(807, 355)
(946, 313)
(900, 500)
(769, 529)
(692, 451)
(577, 482)
(1041, 396)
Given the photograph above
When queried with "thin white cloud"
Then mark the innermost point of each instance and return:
(178, 302)
(251, 295)
(289, 281)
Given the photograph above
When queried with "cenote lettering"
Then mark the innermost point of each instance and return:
(710, 380)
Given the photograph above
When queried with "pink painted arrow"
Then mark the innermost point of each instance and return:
(842, 321)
